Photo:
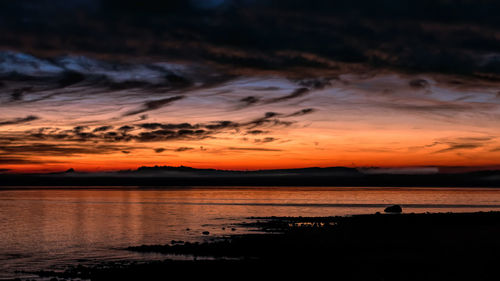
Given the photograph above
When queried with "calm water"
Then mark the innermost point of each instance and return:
(52, 228)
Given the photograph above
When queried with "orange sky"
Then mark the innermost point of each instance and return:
(258, 121)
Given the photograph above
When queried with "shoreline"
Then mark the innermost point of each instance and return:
(429, 246)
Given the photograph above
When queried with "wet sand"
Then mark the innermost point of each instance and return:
(444, 246)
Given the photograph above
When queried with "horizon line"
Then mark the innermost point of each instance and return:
(426, 169)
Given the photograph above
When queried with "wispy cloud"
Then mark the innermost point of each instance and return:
(182, 149)
(460, 146)
(19, 120)
(265, 140)
(253, 149)
(152, 105)
(45, 149)
(295, 94)
(304, 111)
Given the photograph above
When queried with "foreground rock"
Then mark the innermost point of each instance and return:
(394, 209)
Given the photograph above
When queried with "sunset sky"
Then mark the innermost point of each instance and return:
(250, 84)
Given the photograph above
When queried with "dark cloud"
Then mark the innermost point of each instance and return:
(30, 79)
(459, 143)
(17, 94)
(476, 139)
(266, 89)
(154, 132)
(419, 83)
(439, 107)
(307, 85)
(218, 125)
(169, 135)
(102, 129)
(460, 146)
(182, 149)
(125, 128)
(9, 160)
(302, 112)
(315, 83)
(80, 128)
(252, 149)
(154, 126)
(159, 150)
(295, 94)
(68, 78)
(271, 114)
(152, 105)
(150, 126)
(45, 149)
(246, 101)
(20, 120)
(256, 132)
(265, 140)
(412, 35)
(268, 120)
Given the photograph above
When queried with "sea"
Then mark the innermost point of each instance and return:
(51, 228)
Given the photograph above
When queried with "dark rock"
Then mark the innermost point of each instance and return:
(393, 209)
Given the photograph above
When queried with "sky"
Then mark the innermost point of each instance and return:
(100, 85)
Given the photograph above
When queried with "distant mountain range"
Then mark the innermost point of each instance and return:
(159, 176)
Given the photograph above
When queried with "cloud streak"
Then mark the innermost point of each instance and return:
(253, 149)
(45, 149)
(460, 146)
(19, 120)
(153, 105)
(156, 132)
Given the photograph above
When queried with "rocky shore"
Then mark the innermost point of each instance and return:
(442, 246)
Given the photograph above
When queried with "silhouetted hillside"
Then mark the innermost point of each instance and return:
(159, 176)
